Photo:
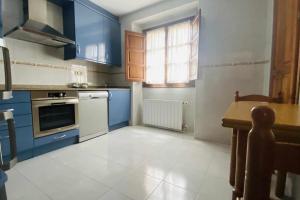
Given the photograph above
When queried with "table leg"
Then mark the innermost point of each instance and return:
(241, 152)
(233, 158)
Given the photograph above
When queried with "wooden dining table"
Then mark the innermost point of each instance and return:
(238, 116)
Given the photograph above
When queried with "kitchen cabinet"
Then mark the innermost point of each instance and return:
(96, 32)
(55, 141)
(24, 143)
(135, 53)
(284, 76)
(119, 108)
(23, 126)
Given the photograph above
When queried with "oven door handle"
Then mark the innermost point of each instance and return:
(42, 103)
(58, 104)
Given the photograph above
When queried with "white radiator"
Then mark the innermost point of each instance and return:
(163, 113)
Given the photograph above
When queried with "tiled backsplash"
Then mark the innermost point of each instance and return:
(41, 65)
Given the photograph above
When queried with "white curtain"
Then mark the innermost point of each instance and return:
(155, 69)
(179, 49)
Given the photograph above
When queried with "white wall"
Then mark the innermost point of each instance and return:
(232, 32)
(269, 40)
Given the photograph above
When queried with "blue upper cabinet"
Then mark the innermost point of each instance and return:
(116, 41)
(88, 32)
(97, 33)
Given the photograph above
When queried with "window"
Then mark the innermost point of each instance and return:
(168, 54)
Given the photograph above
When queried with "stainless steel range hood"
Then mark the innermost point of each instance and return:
(27, 20)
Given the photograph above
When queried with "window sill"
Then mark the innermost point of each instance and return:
(173, 85)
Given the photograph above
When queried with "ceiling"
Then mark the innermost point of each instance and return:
(123, 7)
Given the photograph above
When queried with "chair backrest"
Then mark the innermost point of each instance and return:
(262, 98)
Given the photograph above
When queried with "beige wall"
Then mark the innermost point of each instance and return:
(40, 65)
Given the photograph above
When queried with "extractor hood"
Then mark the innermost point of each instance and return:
(27, 20)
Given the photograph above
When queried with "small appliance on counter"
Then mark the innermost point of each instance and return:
(93, 114)
(78, 76)
(6, 116)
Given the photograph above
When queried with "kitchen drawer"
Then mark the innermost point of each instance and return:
(19, 108)
(18, 97)
(24, 137)
(55, 137)
(54, 146)
(20, 121)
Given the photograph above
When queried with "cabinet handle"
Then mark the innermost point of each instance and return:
(60, 137)
(109, 96)
(78, 48)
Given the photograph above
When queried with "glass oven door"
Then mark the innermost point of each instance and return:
(54, 116)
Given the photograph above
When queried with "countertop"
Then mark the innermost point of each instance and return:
(62, 87)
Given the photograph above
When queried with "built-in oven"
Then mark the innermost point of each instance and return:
(54, 112)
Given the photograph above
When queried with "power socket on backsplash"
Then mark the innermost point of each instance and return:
(78, 76)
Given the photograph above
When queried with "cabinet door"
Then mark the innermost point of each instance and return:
(116, 44)
(24, 137)
(107, 39)
(285, 50)
(135, 56)
(88, 29)
(119, 106)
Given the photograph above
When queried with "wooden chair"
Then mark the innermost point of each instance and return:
(264, 155)
(239, 179)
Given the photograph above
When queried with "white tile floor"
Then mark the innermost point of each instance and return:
(133, 163)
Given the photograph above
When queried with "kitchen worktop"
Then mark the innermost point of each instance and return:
(62, 87)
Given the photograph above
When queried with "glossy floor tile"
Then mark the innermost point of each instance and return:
(138, 186)
(19, 187)
(166, 191)
(133, 163)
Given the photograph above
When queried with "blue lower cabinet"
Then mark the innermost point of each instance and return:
(52, 142)
(119, 104)
(24, 143)
(18, 108)
(18, 97)
(21, 106)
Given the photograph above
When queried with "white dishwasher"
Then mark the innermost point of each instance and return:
(93, 114)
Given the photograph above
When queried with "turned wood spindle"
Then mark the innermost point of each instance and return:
(260, 151)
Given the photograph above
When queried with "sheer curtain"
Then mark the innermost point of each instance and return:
(155, 69)
(179, 49)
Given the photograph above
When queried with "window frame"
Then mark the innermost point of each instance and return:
(190, 84)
